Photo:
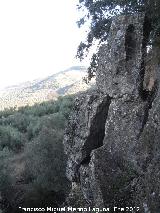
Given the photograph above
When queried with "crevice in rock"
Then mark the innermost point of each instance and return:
(130, 42)
(146, 33)
(145, 94)
(97, 130)
(86, 160)
(150, 98)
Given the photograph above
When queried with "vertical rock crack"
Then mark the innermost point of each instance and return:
(97, 130)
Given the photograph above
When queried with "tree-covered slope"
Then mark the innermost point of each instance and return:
(32, 161)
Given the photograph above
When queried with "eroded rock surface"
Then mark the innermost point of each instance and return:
(86, 130)
(113, 135)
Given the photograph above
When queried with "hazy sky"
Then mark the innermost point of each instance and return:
(37, 38)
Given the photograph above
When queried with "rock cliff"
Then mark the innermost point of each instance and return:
(112, 137)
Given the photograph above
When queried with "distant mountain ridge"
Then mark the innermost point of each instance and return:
(69, 81)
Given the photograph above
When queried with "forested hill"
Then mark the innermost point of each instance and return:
(69, 81)
(32, 161)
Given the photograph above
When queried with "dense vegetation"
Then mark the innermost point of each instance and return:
(99, 15)
(32, 161)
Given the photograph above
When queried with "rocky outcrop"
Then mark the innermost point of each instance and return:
(112, 137)
(86, 130)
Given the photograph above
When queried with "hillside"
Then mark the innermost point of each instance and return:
(69, 81)
(31, 151)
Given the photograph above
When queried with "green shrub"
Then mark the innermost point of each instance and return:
(17, 120)
(10, 137)
(45, 166)
(5, 179)
(34, 137)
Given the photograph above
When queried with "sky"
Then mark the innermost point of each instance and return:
(37, 38)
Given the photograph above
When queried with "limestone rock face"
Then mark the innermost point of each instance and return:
(112, 137)
(120, 59)
(85, 131)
